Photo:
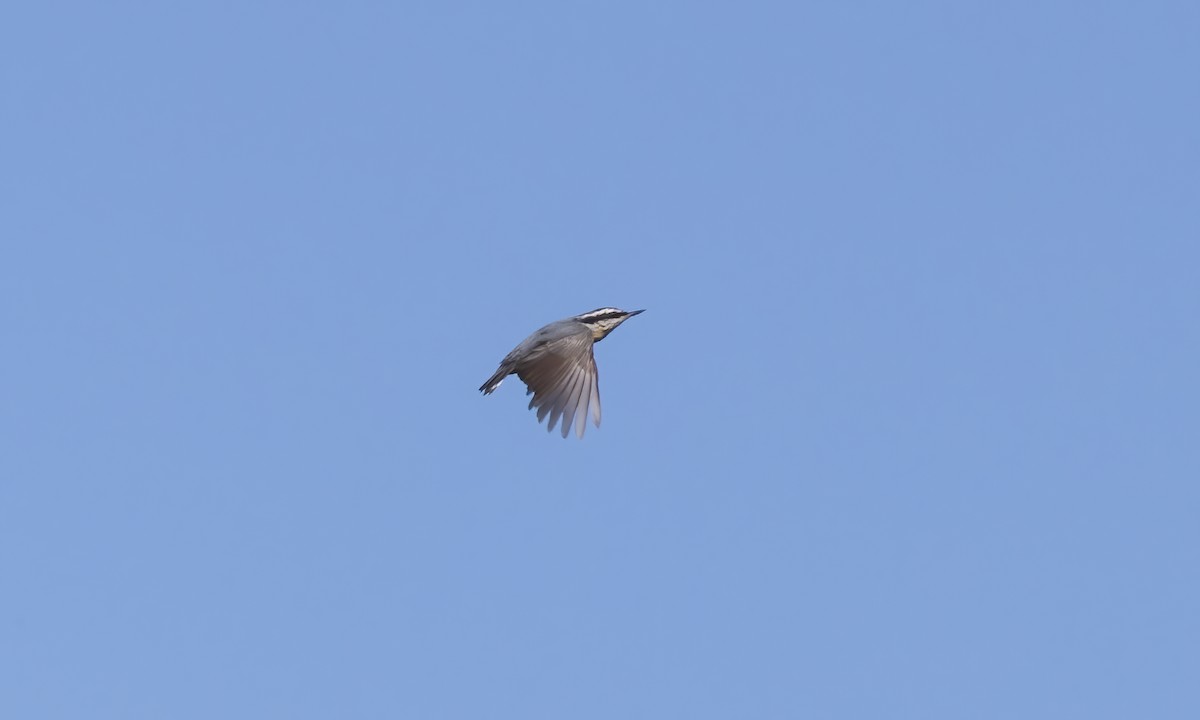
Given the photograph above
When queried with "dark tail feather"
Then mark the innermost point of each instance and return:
(495, 380)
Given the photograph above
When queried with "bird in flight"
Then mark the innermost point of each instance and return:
(559, 370)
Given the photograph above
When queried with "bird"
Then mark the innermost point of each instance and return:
(558, 368)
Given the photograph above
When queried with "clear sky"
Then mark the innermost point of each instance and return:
(910, 428)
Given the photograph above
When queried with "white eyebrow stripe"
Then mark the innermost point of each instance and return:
(601, 313)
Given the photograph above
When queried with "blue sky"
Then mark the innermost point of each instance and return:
(908, 430)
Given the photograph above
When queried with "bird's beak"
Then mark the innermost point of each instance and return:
(634, 312)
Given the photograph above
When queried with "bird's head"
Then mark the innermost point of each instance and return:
(602, 321)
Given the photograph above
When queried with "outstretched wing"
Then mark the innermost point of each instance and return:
(563, 380)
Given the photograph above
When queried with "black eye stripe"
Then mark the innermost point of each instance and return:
(605, 316)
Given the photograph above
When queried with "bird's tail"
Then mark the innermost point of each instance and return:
(494, 381)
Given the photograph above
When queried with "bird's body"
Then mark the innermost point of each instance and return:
(557, 366)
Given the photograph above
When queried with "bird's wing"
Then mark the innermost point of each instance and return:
(563, 381)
